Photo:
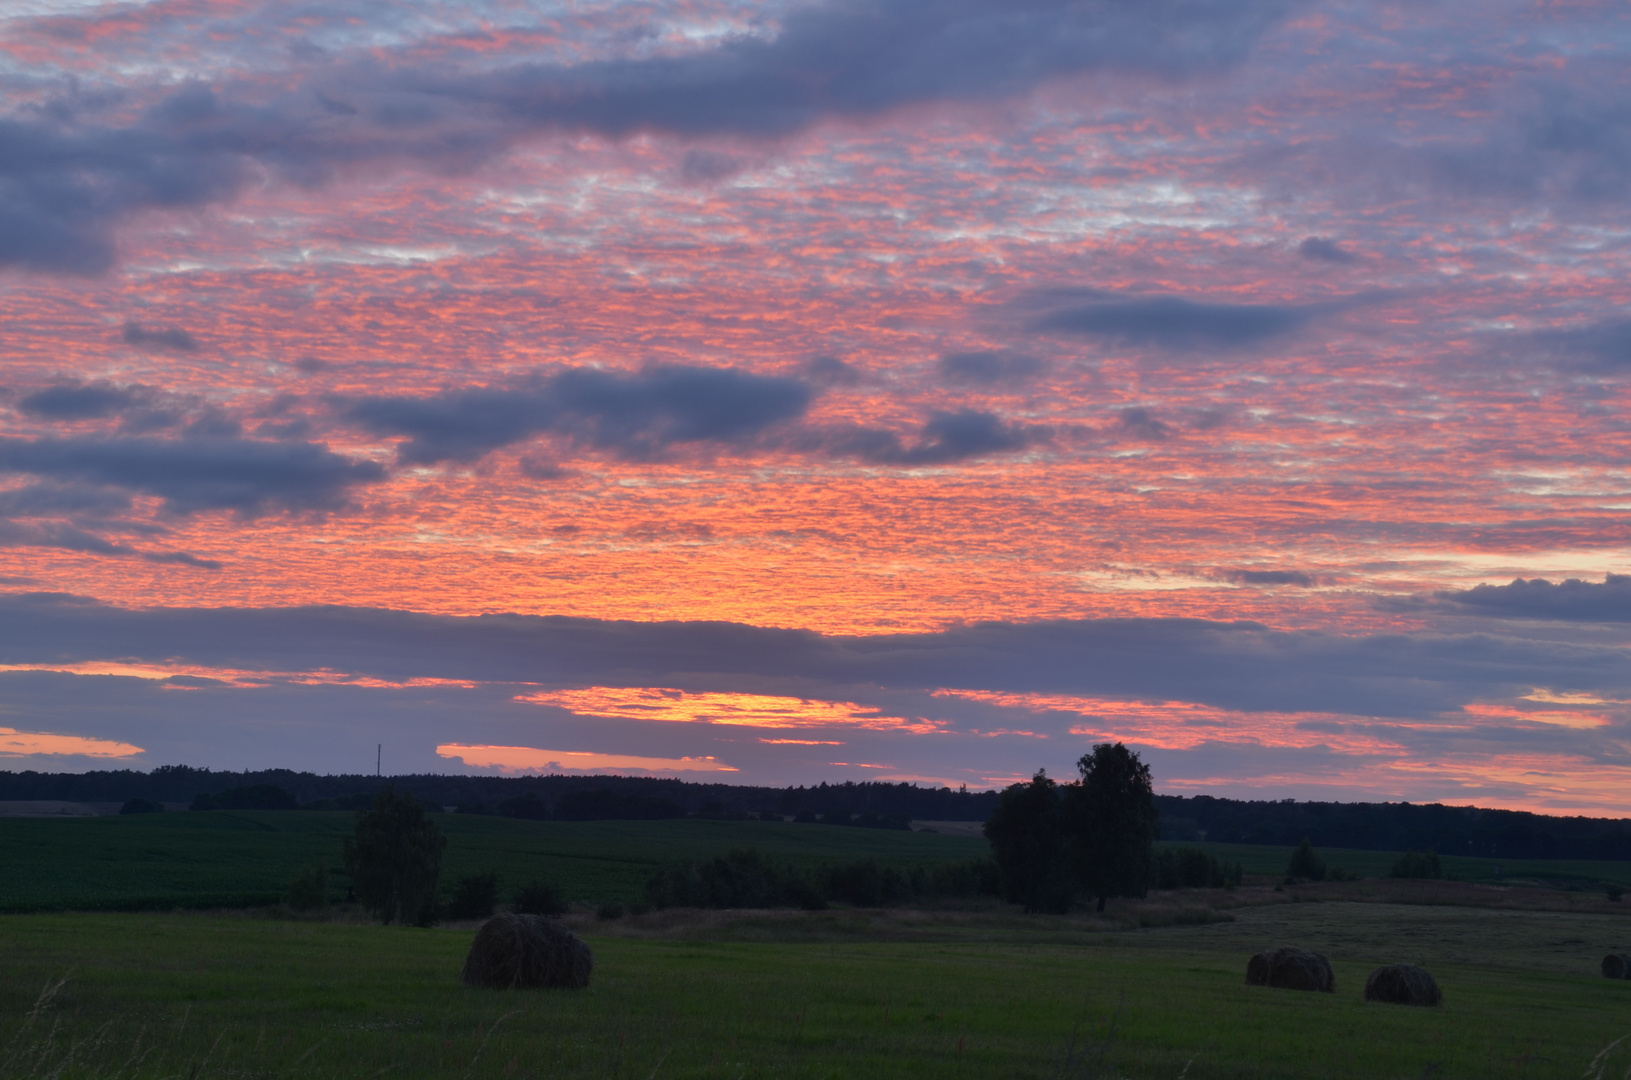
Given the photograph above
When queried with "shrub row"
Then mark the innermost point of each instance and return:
(746, 879)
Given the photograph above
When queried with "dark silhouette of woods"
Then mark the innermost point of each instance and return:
(395, 858)
(1095, 836)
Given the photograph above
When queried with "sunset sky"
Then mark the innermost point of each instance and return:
(773, 393)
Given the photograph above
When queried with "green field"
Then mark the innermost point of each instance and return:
(246, 858)
(1271, 860)
(829, 995)
(222, 858)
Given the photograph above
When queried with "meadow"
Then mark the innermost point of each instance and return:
(222, 858)
(812, 995)
(1269, 859)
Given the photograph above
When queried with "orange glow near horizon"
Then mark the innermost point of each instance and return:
(519, 759)
(746, 710)
(14, 743)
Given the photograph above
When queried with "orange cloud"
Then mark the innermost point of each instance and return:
(746, 710)
(14, 743)
(513, 759)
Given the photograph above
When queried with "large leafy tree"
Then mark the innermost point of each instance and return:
(1110, 822)
(1028, 844)
(395, 858)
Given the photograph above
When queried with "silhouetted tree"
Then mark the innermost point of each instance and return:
(1028, 844)
(394, 859)
(1109, 823)
(1306, 862)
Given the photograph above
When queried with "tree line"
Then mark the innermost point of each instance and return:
(1451, 830)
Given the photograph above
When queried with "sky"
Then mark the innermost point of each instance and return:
(909, 390)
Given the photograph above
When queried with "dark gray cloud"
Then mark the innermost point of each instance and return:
(191, 475)
(1603, 346)
(1173, 322)
(140, 409)
(167, 338)
(1269, 577)
(81, 401)
(1323, 249)
(636, 416)
(830, 371)
(65, 184)
(42, 500)
(64, 536)
(945, 437)
(988, 368)
(1571, 600)
(1140, 423)
(1237, 665)
(864, 57)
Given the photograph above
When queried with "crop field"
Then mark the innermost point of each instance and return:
(821, 995)
(221, 858)
(1271, 860)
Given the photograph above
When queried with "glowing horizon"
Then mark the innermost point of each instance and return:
(1249, 386)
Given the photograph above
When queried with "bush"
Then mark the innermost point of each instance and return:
(769, 815)
(141, 806)
(474, 897)
(395, 858)
(1306, 863)
(539, 898)
(836, 817)
(309, 890)
(745, 879)
(1417, 864)
(805, 817)
(1192, 868)
(740, 879)
(611, 909)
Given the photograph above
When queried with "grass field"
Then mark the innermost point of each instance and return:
(1272, 860)
(222, 858)
(247, 858)
(829, 995)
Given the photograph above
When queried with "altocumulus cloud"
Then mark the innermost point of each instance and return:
(191, 475)
(1241, 666)
(1572, 600)
(65, 184)
(636, 416)
(1174, 322)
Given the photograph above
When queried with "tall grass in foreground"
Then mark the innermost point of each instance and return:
(153, 997)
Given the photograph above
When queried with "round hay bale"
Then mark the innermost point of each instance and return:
(1617, 965)
(525, 951)
(1402, 984)
(1291, 969)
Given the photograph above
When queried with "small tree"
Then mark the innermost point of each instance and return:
(1417, 864)
(1306, 863)
(1028, 844)
(1110, 822)
(395, 858)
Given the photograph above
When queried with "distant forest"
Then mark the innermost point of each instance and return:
(1449, 830)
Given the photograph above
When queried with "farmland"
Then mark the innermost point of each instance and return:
(222, 858)
(833, 994)
(1151, 989)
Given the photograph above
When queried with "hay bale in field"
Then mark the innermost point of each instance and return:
(1291, 969)
(1402, 984)
(524, 951)
(1617, 965)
